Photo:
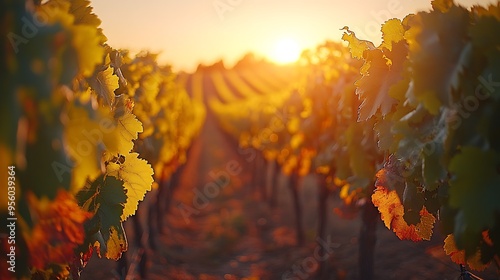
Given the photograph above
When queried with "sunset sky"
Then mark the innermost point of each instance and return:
(189, 32)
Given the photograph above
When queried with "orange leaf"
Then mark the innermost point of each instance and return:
(58, 229)
(450, 248)
(392, 211)
(458, 256)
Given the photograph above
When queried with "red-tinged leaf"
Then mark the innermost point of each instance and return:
(458, 256)
(392, 211)
(450, 248)
(58, 230)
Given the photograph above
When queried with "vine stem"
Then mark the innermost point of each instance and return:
(465, 274)
(497, 263)
(368, 238)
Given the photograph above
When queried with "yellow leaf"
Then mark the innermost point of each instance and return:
(116, 244)
(356, 46)
(83, 137)
(393, 32)
(120, 132)
(82, 11)
(58, 11)
(105, 85)
(389, 206)
(89, 50)
(137, 177)
(85, 39)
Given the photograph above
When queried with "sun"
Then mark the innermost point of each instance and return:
(286, 50)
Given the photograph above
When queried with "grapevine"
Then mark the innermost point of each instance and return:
(73, 119)
(409, 121)
(404, 131)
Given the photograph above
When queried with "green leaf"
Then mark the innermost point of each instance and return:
(137, 177)
(438, 36)
(413, 201)
(124, 128)
(475, 188)
(433, 168)
(361, 161)
(10, 113)
(45, 167)
(105, 83)
(382, 70)
(106, 197)
(111, 204)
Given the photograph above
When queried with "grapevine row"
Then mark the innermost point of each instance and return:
(408, 125)
(88, 128)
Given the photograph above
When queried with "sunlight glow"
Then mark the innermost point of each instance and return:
(286, 50)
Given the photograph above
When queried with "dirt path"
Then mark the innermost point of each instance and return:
(217, 228)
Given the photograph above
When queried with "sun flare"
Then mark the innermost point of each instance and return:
(286, 50)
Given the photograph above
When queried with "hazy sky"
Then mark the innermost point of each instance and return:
(188, 32)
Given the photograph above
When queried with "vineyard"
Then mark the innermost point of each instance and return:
(359, 161)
